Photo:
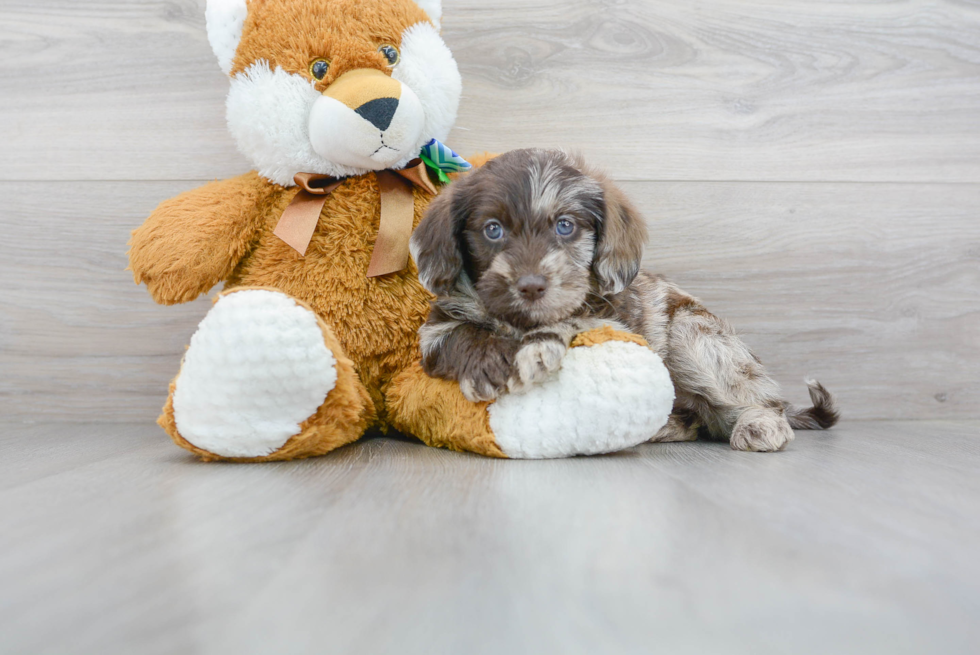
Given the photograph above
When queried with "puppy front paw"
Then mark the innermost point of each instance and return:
(479, 387)
(483, 374)
(535, 363)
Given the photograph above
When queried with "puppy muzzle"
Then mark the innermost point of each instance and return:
(366, 119)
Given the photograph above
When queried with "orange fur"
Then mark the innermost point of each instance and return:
(348, 32)
(375, 320)
(436, 412)
(193, 241)
(604, 334)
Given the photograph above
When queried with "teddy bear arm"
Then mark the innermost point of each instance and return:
(193, 241)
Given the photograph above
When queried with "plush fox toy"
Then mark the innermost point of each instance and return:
(314, 339)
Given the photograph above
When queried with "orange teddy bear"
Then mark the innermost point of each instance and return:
(314, 338)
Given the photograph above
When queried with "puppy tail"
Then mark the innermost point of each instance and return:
(821, 416)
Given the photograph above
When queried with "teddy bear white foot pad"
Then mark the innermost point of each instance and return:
(605, 398)
(256, 369)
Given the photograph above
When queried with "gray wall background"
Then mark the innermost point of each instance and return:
(809, 169)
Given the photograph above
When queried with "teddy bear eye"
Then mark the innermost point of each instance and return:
(319, 68)
(390, 54)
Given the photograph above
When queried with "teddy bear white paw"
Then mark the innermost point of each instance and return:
(256, 369)
(603, 399)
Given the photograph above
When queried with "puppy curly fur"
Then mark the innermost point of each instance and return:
(536, 247)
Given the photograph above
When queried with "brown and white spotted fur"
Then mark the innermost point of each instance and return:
(536, 247)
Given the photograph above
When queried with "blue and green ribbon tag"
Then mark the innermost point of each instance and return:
(441, 159)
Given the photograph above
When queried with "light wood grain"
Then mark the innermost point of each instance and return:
(861, 540)
(667, 90)
(77, 336)
(870, 288)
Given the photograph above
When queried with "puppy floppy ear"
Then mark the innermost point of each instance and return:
(621, 239)
(435, 244)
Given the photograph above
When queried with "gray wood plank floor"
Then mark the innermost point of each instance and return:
(860, 540)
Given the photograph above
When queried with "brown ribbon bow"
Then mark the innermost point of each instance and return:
(299, 221)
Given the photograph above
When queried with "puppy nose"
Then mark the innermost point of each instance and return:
(532, 287)
(379, 112)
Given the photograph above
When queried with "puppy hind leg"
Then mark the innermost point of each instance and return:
(720, 380)
(681, 426)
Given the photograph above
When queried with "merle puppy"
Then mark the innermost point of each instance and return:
(535, 247)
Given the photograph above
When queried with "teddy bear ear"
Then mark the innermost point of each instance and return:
(225, 19)
(433, 8)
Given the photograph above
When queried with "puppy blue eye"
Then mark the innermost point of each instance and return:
(493, 230)
(564, 227)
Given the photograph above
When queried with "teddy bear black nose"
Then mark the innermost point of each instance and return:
(379, 112)
(532, 287)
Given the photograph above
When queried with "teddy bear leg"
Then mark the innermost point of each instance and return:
(438, 413)
(611, 393)
(265, 379)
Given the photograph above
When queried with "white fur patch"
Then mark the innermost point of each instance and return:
(340, 135)
(605, 398)
(225, 19)
(433, 8)
(427, 67)
(257, 368)
(268, 114)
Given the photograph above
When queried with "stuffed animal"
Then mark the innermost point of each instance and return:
(314, 338)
